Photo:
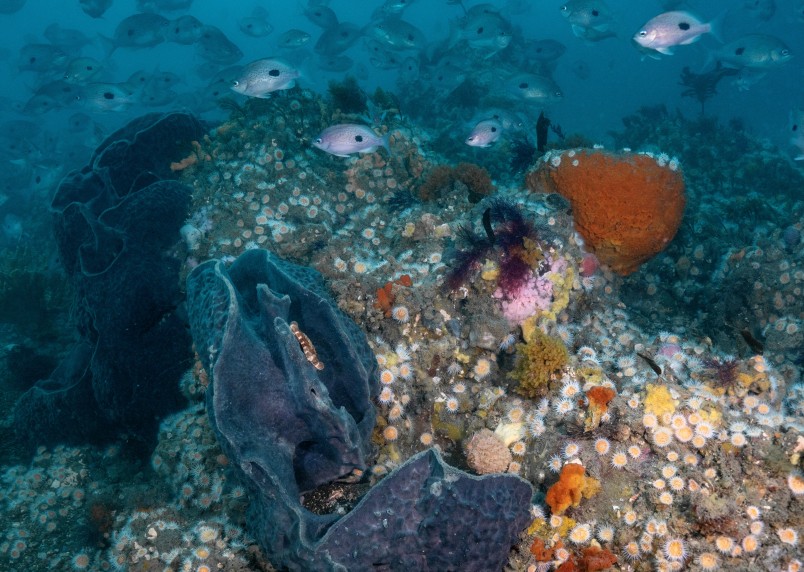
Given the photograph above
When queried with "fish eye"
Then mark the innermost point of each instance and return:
(359, 138)
(108, 95)
(564, 8)
(319, 140)
(235, 83)
(274, 73)
(523, 85)
(785, 52)
(480, 30)
(643, 33)
(595, 13)
(493, 129)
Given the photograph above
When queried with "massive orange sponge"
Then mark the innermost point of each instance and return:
(626, 206)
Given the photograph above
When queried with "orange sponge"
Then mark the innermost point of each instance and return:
(572, 486)
(626, 206)
(598, 398)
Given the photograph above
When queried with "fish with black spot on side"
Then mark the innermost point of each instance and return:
(396, 34)
(485, 133)
(105, 97)
(590, 20)
(345, 139)
(52, 95)
(544, 50)
(41, 57)
(320, 15)
(337, 39)
(483, 29)
(256, 25)
(214, 46)
(391, 8)
(138, 31)
(185, 30)
(670, 29)
(293, 38)
(535, 88)
(754, 51)
(338, 64)
(265, 76)
(82, 70)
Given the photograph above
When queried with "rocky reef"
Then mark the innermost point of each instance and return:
(661, 431)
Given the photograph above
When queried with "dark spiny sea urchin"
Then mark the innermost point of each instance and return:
(722, 372)
(508, 233)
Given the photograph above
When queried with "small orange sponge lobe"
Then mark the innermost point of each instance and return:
(626, 206)
(571, 487)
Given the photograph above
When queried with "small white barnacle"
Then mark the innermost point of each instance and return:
(307, 346)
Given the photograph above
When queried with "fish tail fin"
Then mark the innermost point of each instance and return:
(386, 142)
(716, 26)
(711, 60)
(108, 45)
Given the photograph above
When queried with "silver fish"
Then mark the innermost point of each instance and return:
(95, 8)
(535, 88)
(671, 29)
(214, 46)
(256, 25)
(321, 16)
(12, 229)
(60, 92)
(39, 104)
(588, 18)
(581, 69)
(485, 30)
(396, 34)
(262, 77)
(391, 8)
(337, 39)
(82, 70)
(485, 133)
(346, 138)
(754, 51)
(139, 31)
(66, 38)
(337, 63)
(409, 70)
(545, 50)
(105, 97)
(185, 30)
(293, 39)
(163, 5)
(11, 6)
(79, 122)
(41, 57)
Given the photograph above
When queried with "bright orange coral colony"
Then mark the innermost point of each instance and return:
(571, 487)
(626, 206)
